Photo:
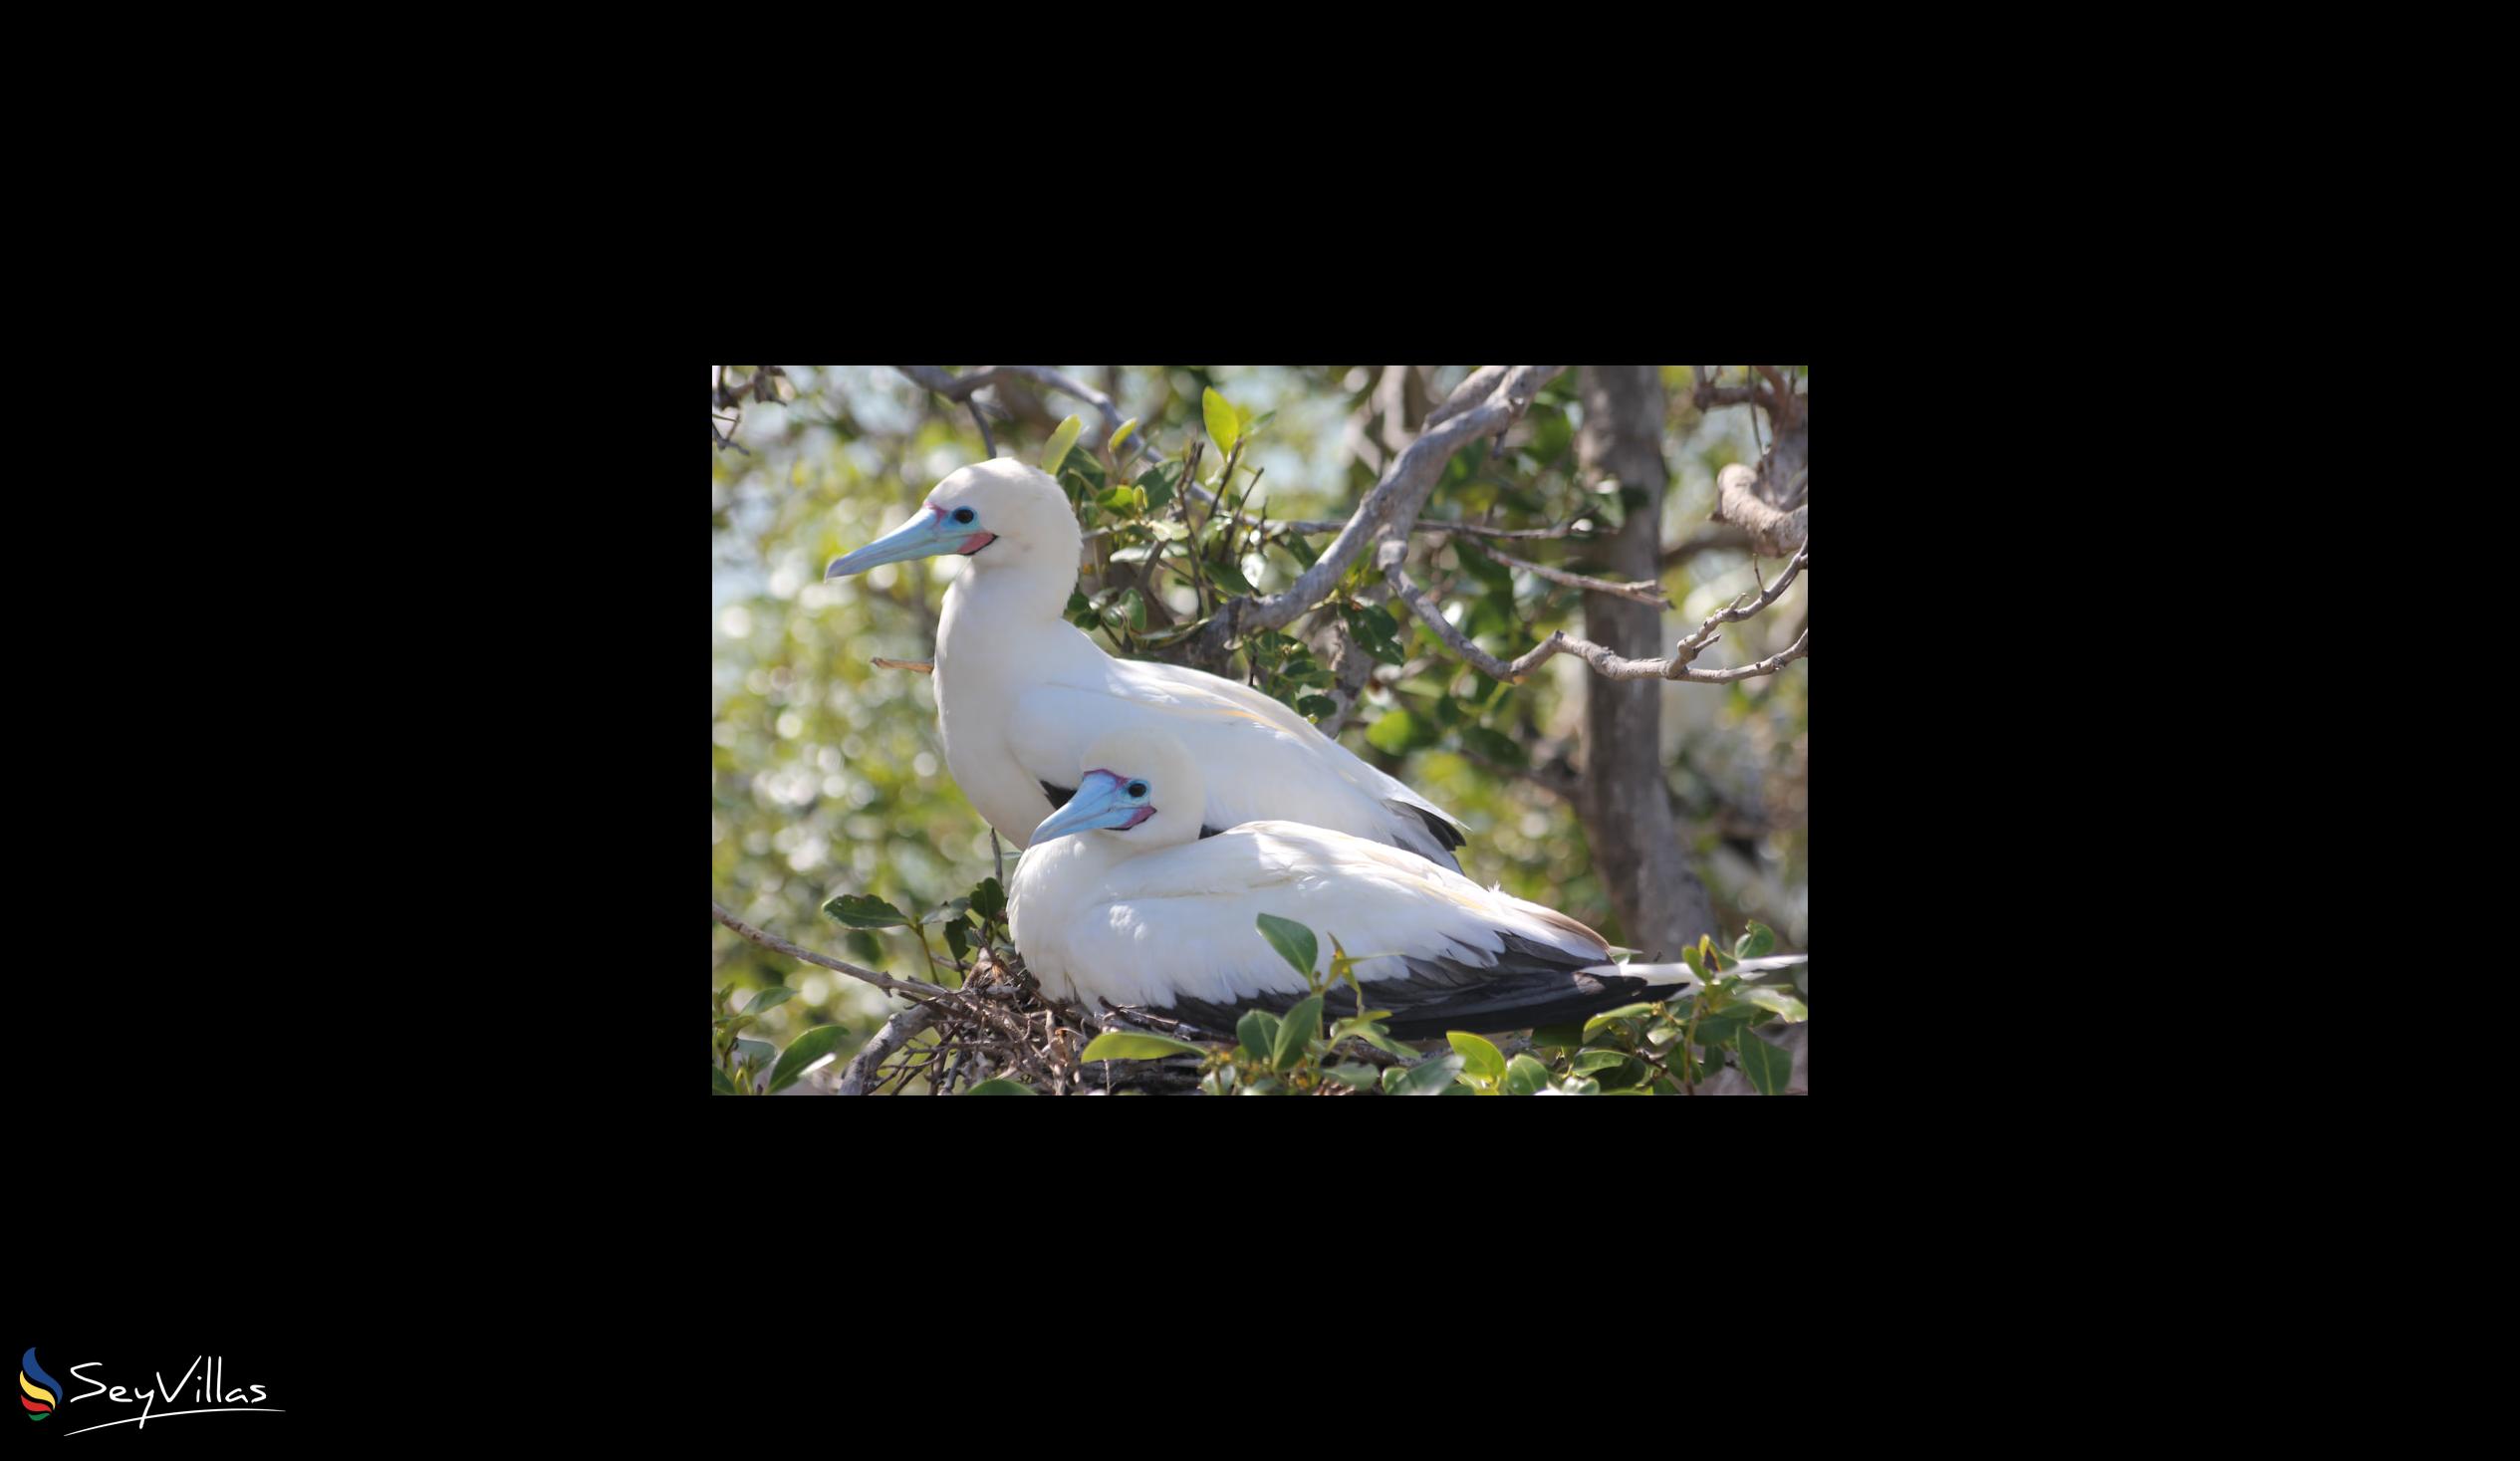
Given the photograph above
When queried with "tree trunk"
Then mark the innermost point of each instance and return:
(1625, 799)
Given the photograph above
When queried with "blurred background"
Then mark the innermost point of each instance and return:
(826, 774)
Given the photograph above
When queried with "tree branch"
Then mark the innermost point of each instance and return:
(896, 1033)
(1773, 532)
(773, 942)
(959, 388)
(1484, 405)
(1643, 592)
(1611, 665)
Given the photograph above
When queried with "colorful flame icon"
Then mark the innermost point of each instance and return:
(40, 1387)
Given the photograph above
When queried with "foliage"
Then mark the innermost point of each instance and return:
(829, 787)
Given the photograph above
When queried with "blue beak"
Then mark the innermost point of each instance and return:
(1098, 803)
(923, 536)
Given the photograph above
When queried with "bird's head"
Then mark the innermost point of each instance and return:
(995, 513)
(1144, 789)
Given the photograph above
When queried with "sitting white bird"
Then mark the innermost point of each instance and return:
(1020, 691)
(1140, 910)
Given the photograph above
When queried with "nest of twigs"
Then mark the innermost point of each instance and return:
(1000, 1024)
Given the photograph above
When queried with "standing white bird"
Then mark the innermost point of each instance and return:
(1021, 692)
(1140, 911)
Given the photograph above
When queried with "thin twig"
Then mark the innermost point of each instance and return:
(1644, 591)
(921, 665)
(1602, 661)
(770, 940)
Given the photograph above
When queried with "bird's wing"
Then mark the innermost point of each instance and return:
(1178, 931)
(1261, 760)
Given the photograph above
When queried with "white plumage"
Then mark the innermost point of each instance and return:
(1120, 900)
(1021, 693)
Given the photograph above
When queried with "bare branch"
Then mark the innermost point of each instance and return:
(959, 388)
(921, 665)
(1774, 533)
(1333, 525)
(1392, 506)
(896, 1032)
(773, 942)
(1713, 539)
(1643, 592)
(1605, 663)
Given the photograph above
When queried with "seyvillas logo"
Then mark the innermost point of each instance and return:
(41, 1388)
(214, 1395)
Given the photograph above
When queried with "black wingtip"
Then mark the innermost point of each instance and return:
(1443, 832)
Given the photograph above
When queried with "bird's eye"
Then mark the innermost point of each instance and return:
(962, 515)
(1136, 787)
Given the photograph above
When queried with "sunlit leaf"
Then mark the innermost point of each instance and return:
(1759, 941)
(1525, 1076)
(1788, 1008)
(1224, 427)
(1121, 435)
(1060, 441)
(1114, 1045)
(1480, 1059)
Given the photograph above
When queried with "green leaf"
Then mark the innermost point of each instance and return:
(1252, 423)
(1569, 1036)
(1115, 1045)
(752, 1057)
(1259, 1031)
(1292, 941)
(1060, 441)
(856, 910)
(1480, 1059)
(1756, 943)
(1788, 1008)
(1714, 1030)
(1136, 604)
(1494, 745)
(1228, 577)
(804, 1050)
(1428, 1078)
(1315, 706)
(769, 999)
(958, 937)
(1360, 1077)
(1118, 499)
(1121, 435)
(989, 900)
(1224, 427)
(1170, 531)
(1393, 733)
(1000, 1085)
(1623, 1012)
(719, 1084)
(1296, 1031)
(1137, 552)
(1158, 485)
(946, 912)
(1614, 1068)
(1767, 1066)
(1265, 1086)
(1696, 964)
(1525, 1076)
